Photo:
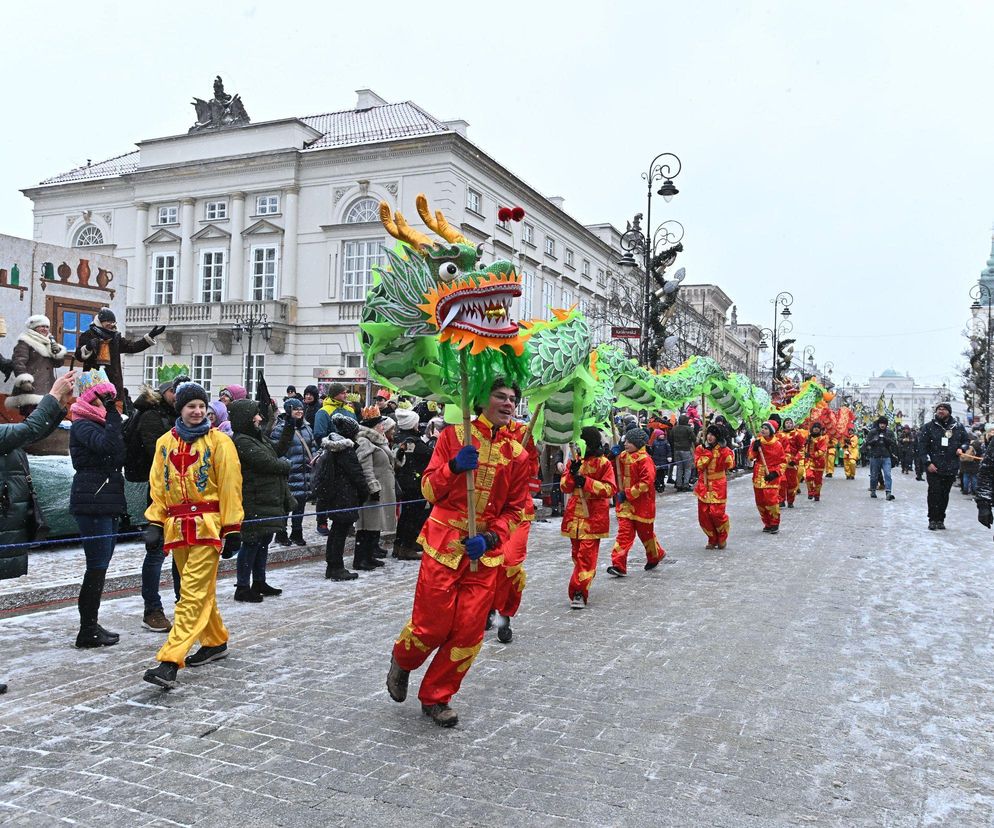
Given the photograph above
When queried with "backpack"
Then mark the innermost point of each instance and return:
(137, 466)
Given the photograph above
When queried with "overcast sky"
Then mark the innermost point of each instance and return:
(841, 151)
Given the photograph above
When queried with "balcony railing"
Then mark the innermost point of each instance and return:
(204, 313)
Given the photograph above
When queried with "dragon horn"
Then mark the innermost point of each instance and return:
(401, 230)
(437, 223)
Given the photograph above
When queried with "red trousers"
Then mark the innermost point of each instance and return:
(813, 479)
(768, 503)
(714, 521)
(627, 530)
(584, 565)
(789, 484)
(450, 611)
(511, 577)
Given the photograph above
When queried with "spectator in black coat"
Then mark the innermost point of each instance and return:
(341, 485)
(881, 447)
(662, 455)
(940, 444)
(97, 499)
(311, 404)
(413, 445)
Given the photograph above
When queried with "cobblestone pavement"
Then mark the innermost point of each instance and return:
(836, 674)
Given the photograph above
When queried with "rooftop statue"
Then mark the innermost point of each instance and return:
(223, 110)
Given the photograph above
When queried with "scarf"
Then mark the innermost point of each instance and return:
(87, 411)
(190, 434)
(44, 345)
(102, 333)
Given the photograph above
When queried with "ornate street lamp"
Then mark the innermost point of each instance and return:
(978, 292)
(781, 306)
(248, 326)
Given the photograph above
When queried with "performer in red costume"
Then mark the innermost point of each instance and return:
(511, 579)
(712, 460)
(815, 452)
(767, 455)
(793, 449)
(636, 505)
(590, 484)
(458, 573)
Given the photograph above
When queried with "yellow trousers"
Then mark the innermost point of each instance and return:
(196, 616)
(850, 467)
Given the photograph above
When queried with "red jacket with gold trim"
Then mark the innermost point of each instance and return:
(502, 494)
(518, 430)
(774, 456)
(588, 512)
(711, 464)
(816, 449)
(793, 446)
(638, 481)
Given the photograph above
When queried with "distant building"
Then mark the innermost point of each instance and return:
(916, 402)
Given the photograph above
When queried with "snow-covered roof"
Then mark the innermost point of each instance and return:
(350, 127)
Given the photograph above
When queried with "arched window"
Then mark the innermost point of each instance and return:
(88, 236)
(365, 209)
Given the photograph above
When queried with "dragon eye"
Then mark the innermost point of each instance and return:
(448, 271)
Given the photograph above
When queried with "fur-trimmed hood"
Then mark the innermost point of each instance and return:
(147, 399)
(44, 345)
(336, 443)
(373, 436)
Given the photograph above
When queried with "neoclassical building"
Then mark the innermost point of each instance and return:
(236, 220)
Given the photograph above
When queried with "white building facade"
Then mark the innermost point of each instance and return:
(282, 218)
(915, 401)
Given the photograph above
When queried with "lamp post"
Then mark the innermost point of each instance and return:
(978, 292)
(781, 306)
(247, 326)
(664, 167)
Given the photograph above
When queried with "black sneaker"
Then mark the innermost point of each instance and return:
(397, 678)
(771, 530)
(163, 676)
(504, 634)
(205, 655)
(890, 496)
(265, 590)
(440, 714)
(613, 570)
(93, 635)
(282, 538)
(244, 593)
(873, 495)
(940, 524)
(790, 505)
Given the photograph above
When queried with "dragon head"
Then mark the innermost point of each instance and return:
(469, 305)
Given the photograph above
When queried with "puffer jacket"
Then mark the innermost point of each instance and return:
(378, 461)
(97, 453)
(944, 457)
(265, 493)
(14, 497)
(879, 443)
(985, 478)
(156, 417)
(341, 484)
(300, 457)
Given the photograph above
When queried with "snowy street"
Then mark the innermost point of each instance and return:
(838, 673)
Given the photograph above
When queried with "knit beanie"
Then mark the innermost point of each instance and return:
(106, 315)
(37, 321)
(881, 420)
(774, 425)
(717, 431)
(91, 383)
(187, 391)
(637, 437)
(335, 389)
(591, 436)
(236, 392)
(163, 387)
(292, 403)
(345, 426)
(407, 420)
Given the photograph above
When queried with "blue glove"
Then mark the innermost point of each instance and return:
(466, 460)
(615, 451)
(621, 498)
(476, 546)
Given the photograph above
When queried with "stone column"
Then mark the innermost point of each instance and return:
(288, 277)
(138, 275)
(187, 266)
(236, 256)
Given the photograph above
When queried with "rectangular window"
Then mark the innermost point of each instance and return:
(586, 268)
(267, 205)
(567, 297)
(203, 370)
(474, 201)
(357, 274)
(528, 234)
(264, 260)
(569, 257)
(163, 278)
(504, 225)
(252, 370)
(547, 300)
(212, 276)
(169, 215)
(216, 210)
(150, 371)
(600, 276)
(353, 360)
(527, 295)
(550, 246)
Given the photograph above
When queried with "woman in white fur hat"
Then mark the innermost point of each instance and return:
(36, 356)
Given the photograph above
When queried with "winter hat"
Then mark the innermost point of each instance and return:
(292, 403)
(881, 420)
(773, 425)
(163, 387)
(345, 426)
(717, 431)
(335, 389)
(407, 420)
(106, 315)
(944, 405)
(776, 419)
(312, 390)
(220, 412)
(637, 437)
(38, 321)
(236, 392)
(91, 383)
(187, 391)
(591, 436)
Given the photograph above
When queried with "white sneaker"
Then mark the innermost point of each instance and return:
(577, 602)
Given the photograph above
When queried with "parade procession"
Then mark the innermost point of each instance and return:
(350, 479)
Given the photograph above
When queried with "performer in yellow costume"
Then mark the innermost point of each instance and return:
(196, 492)
(850, 454)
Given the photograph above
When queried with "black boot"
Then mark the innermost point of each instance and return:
(282, 538)
(363, 559)
(334, 565)
(91, 634)
(264, 589)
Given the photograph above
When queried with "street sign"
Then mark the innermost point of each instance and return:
(625, 333)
